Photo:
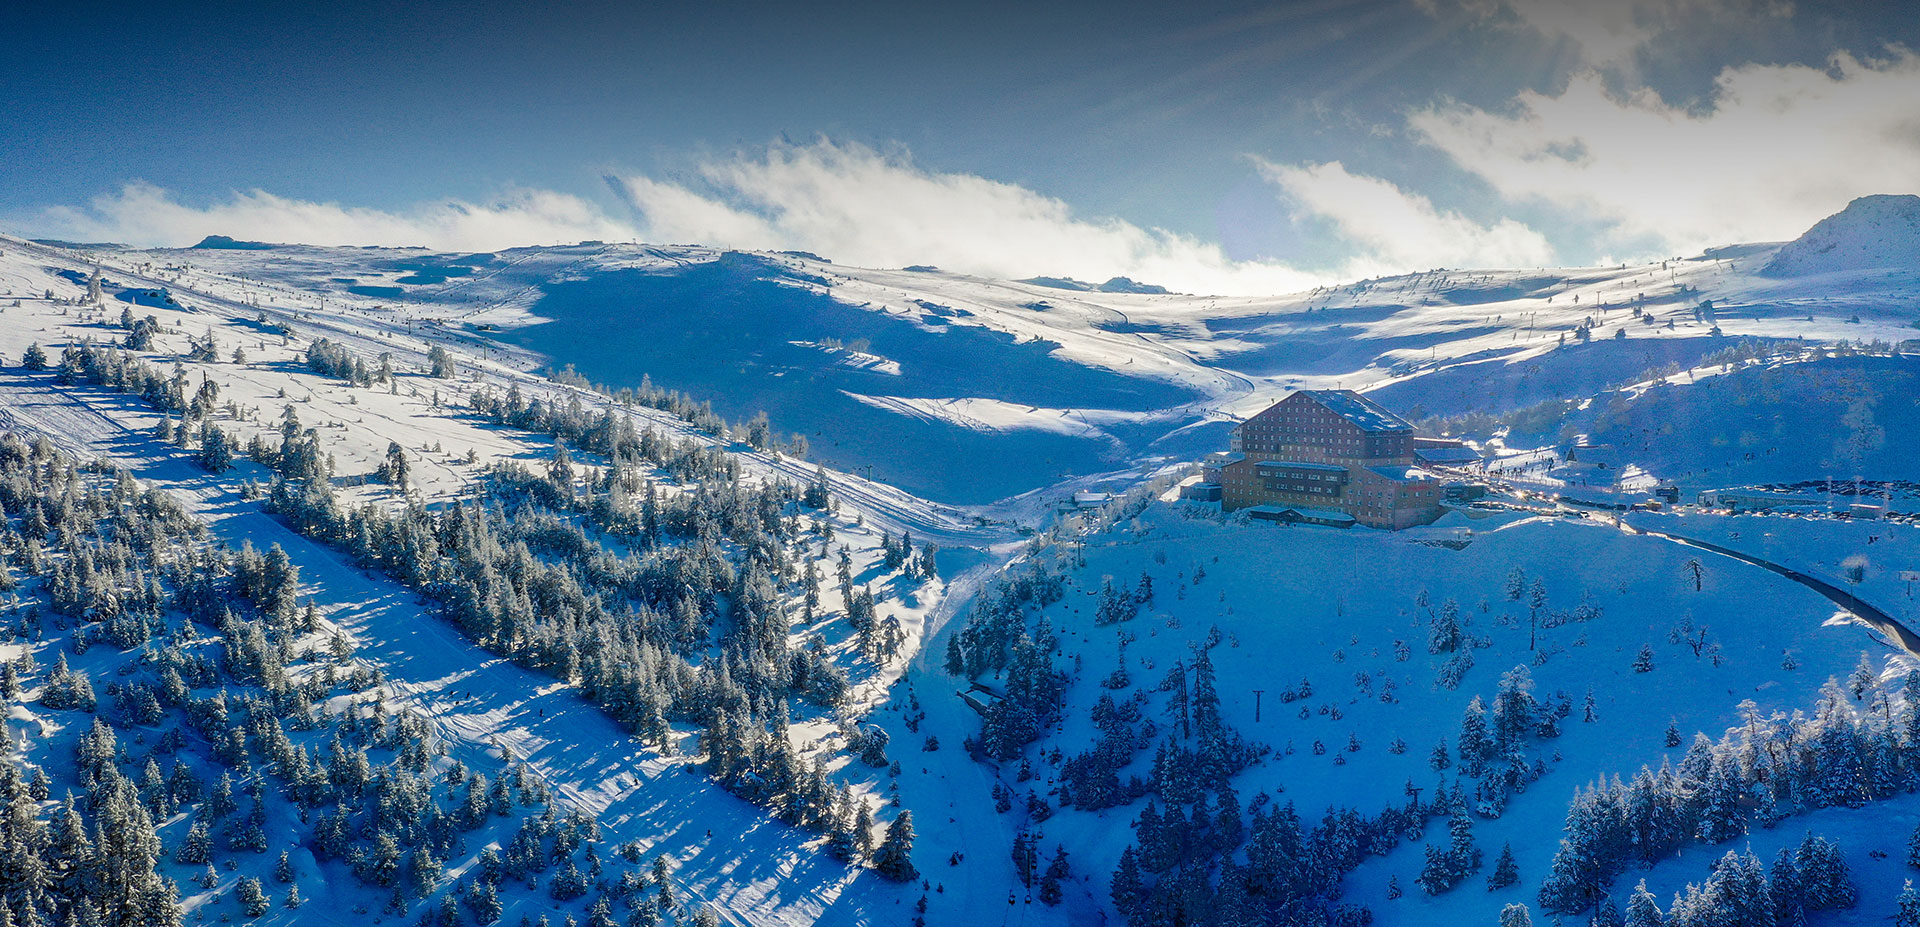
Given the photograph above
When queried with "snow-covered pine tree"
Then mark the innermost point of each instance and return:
(1908, 913)
(1505, 871)
(894, 857)
(1643, 910)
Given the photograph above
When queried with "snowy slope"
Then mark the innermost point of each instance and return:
(1873, 232)
(728, 853)
(1104, 378)
(1331, 610)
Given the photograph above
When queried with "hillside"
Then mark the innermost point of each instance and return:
(1872, 233)
(923, 375)
(630, 567)
(1362, 652)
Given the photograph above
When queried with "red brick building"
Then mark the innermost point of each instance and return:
(1325, 456)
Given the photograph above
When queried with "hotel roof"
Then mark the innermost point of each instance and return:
(1361, 411)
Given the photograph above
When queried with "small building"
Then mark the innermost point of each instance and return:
(1326, 451)
(1757, 500)
(1090, 499)
(1293, 515)
(1444, 452)
(1201, 492)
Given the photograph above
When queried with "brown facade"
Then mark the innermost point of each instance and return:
(1328, 451)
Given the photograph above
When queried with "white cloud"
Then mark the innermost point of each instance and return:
(145, 215)
(858, 206)
(1774, 149)
(1394, 230)
(676, 215)
(864, 207)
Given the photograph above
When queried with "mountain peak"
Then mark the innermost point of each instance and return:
(224, 243)
(1873, 231)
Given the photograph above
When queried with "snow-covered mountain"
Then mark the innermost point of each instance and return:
(705, 638)
(969, 390)
(1873, 233)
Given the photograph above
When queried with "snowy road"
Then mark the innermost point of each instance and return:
(1885, 623)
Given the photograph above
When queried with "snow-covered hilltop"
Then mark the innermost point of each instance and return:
(1872, 233)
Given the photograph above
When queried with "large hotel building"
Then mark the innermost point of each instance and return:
(1329, 457)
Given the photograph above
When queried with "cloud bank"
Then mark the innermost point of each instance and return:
(1394, 230)
(855, 205)
(148, 216)
(865, 207)
(1773, 150)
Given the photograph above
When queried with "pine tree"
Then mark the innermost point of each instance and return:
(1642, 909)
(1443, 634)
(1057, 872)
(894, 858)
(252, 900)
(484, 901)
(1720, 819)
(863, 831)
(197, 847)
(1475, 746)
(1505, 872)
(1736, 892)
(1909, 913)
(1115, 606)
(33, 358)
(393, 471)
(1515, 915)
(1785, 890)
(441, 363)
(1127, 891)
(159, 904)
(1823, 875)
(216, 450)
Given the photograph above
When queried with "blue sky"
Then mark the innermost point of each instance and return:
(1216, 145)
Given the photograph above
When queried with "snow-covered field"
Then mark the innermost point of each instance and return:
(915, 373)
